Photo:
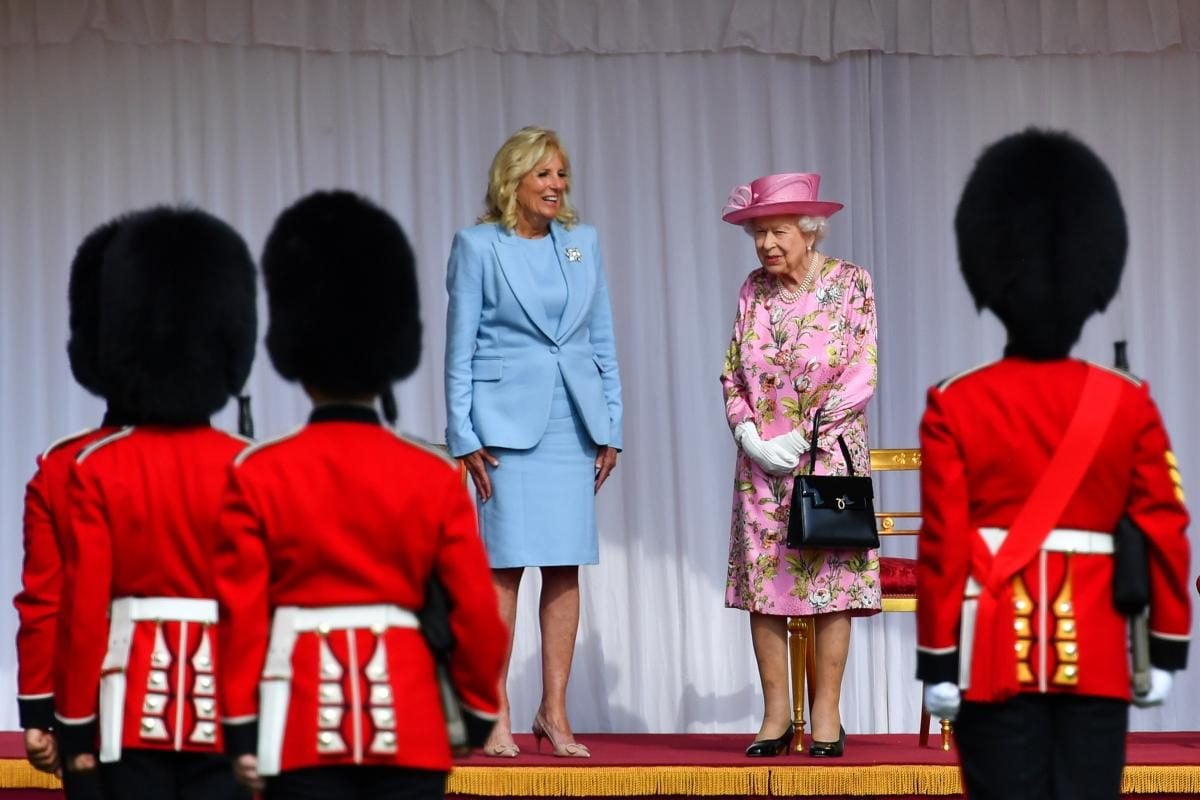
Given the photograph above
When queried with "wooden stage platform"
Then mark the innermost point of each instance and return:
(1163, 765)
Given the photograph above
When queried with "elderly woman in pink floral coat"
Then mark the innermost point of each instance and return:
(803, 340)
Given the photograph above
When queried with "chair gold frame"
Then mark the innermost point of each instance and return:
(801, 630)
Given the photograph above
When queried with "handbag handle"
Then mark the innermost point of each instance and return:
(812, 447)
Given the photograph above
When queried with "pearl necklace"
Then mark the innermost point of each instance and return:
(792, 295)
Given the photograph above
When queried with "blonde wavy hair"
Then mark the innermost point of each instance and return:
(519, 156)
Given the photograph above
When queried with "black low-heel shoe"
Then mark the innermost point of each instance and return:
(772, 747)
(829, 749)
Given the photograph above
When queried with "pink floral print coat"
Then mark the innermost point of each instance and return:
(786, 360)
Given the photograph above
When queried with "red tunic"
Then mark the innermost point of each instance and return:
(41, 577)
(345, 513)
(143, 503)
(986, 438)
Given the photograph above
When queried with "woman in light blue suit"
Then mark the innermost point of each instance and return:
(533, 401)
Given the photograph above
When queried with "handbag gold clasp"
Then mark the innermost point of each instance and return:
(841, 501)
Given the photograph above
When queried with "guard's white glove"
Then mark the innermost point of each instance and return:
(1160, 687)
(943, 699)
(774, 456)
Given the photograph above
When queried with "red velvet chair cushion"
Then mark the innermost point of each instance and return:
(898, 576)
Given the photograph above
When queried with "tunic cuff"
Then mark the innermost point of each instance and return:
(241, 738)
(478, 728)
(36, 712)
(1168, 654)
(937, 667)
(76, 738)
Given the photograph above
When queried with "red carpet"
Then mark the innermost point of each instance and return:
(714, 750)
(1160, 765)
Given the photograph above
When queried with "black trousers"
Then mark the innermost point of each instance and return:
(83, 785)
(1039, 747)
(357, 783)
(164, 775)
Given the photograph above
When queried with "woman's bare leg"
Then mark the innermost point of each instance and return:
(768, 634)
(832, 645)
(559, 616)
(507, 583)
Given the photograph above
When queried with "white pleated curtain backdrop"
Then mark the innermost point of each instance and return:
(98, 123)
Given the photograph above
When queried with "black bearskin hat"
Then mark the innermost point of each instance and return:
(341, 295)
(1041, 238)
(177, 315)
(83, 300)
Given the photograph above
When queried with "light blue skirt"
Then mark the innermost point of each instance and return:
(542, 512)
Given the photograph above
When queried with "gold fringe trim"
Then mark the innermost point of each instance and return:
(17, 773)
(929, 780)
(902, 779)
(1166, 779)
(607, 781)
(707, 781)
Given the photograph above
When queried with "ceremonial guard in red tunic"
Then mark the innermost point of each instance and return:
(1029, 466)
(331, 535)
(46, 520)
(177, 325)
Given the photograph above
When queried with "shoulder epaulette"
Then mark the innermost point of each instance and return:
(57, 443)
(96, 445)
(1135, 380)
(945, 384)
(257, 447)
(439, 450)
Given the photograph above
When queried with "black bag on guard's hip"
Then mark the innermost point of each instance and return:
(832, 512)
(435, 627)
(1131, 570)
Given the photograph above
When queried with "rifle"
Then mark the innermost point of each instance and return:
(1131, 579)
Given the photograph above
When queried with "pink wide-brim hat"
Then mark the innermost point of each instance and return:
(784, 193)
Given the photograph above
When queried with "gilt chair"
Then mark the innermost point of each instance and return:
(898, 579)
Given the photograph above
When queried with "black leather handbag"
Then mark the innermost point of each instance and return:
(832, 512)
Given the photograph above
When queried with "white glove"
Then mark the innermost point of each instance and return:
(943, 699)
(1160, 687)
(772, 457)
(792, 441)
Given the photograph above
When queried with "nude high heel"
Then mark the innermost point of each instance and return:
(562, 749)
(502, 750)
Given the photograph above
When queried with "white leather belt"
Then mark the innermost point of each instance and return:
(123, 615)
(175, 609)
(1060, 540)
(337, 618)
(275, 689)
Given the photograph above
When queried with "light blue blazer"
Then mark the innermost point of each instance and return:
(502, 353)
